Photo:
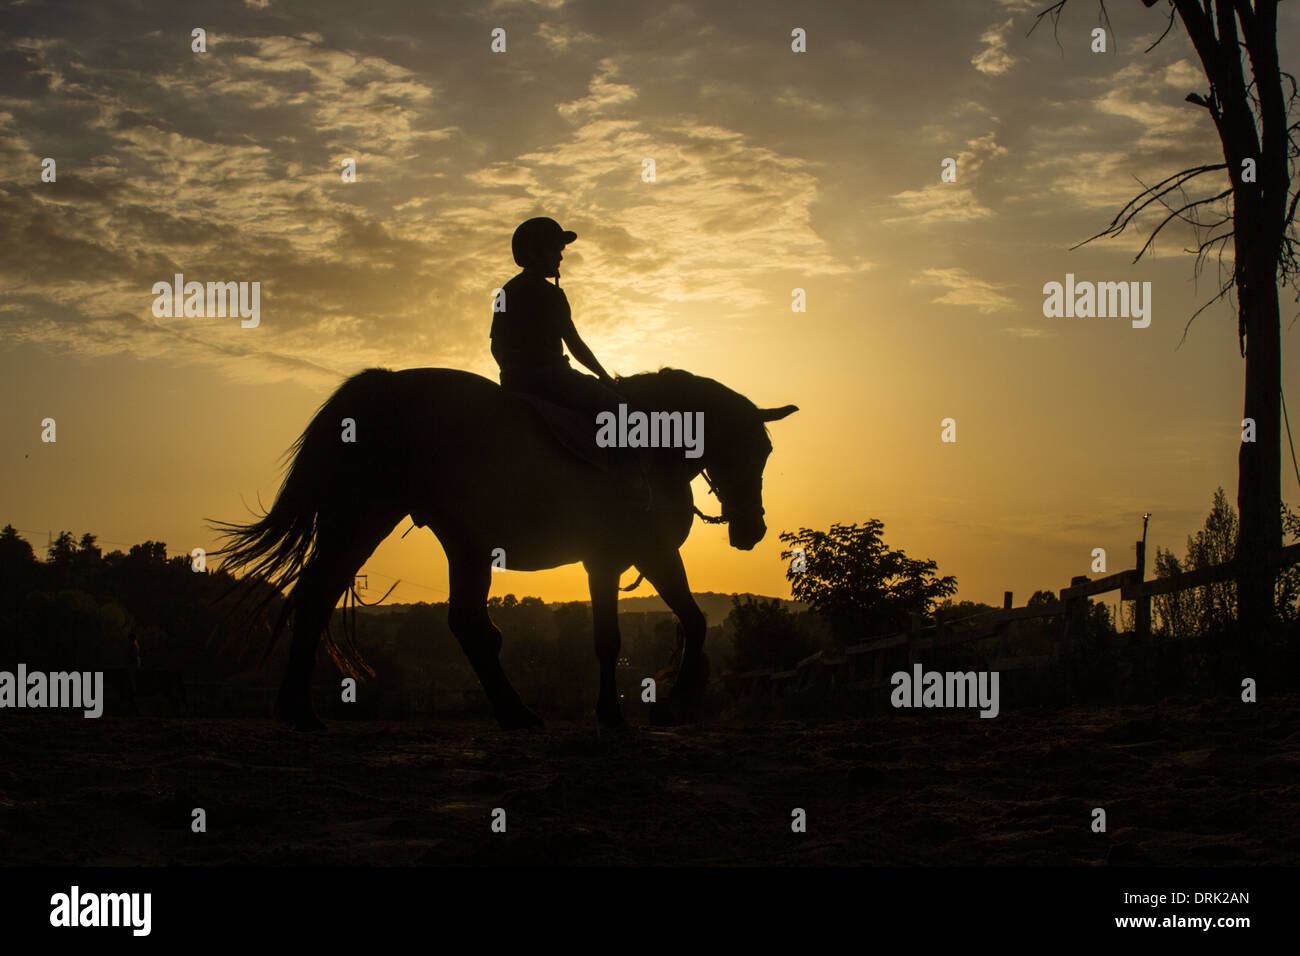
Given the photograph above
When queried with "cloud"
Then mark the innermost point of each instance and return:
(561, 40)
(1138, 94)
(226, 167)
(706, 233)
(218, 192)
(548, 5)
(941, 202)
(1123, 132)
(603, 93)
(994, 58)
(965, 289)
(1184, 75)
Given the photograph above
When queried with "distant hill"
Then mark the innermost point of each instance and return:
(715, 606)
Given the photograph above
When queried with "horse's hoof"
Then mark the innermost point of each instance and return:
(299, 716)
(304, 721)
(675, 711)
(664, 714)
(521, 719)
(610, 717)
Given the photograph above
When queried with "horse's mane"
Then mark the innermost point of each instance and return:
(671, 388)
(678, 386)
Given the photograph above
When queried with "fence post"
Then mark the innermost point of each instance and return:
(1142, 606)
(913, 632)
(1006, 600)
(1075, 622)
(877, 678)
(940, 633)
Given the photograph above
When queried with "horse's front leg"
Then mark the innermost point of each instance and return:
(603, 582)
(666, 573)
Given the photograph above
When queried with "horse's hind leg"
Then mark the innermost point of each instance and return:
(467, 616)
(343, 543)
(604, 618)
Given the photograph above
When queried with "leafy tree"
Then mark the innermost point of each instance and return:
(573, 622)
(88, 554)
(63, 551)
(956, 611)
(1099, 619)
(1041, 598)
(19, 572)
(857, 583)
(1288, 580)
(766, 634)
(14, 551)
(150, 553)
(1174, 613)
(507, 603)
(1214, 606)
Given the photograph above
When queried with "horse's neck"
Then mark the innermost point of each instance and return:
(657, 392)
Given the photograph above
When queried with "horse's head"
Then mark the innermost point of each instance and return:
(735, 442)
(734, 469)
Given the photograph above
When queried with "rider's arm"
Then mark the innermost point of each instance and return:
(578, 349)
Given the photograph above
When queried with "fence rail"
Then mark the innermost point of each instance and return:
(1071, 606)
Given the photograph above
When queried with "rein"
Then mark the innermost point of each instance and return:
(713, 491)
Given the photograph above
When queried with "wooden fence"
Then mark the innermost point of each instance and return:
(862, 666)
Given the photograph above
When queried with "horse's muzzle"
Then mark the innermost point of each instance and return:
(744, 535)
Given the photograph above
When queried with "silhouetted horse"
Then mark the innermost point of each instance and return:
(476, 465)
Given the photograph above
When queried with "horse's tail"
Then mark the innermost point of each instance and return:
(276, 546)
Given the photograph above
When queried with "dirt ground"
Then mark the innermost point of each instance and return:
(1182, 783)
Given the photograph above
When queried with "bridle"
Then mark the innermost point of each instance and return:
(713, 490)
(710, 519)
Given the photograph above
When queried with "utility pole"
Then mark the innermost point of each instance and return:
(1142, 608)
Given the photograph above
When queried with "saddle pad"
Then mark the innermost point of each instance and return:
(572, 429)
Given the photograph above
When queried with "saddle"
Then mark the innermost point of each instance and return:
(573, 429)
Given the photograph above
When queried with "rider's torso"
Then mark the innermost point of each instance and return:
(528, 337)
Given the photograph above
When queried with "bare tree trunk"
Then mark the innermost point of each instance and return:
(1259, 463)
(1259, 224)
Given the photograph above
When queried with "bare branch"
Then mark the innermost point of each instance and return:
(1104, 19)
(1175, 215)
(1195, 223)
(1211, 241)
(1054, 11)
(1223, 290)
(1285, 75)
(1209, 103)
(1173, 15)
(1133, 208)
(1202, 253)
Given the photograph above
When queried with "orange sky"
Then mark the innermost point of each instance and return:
(774, 170)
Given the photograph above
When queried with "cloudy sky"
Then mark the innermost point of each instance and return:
(774, 170)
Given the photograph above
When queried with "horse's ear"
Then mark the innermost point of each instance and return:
(776, 414)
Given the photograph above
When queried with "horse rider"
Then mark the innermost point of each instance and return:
(530, 332)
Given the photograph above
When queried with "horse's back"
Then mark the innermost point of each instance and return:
(440, 380)
(443, 408)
